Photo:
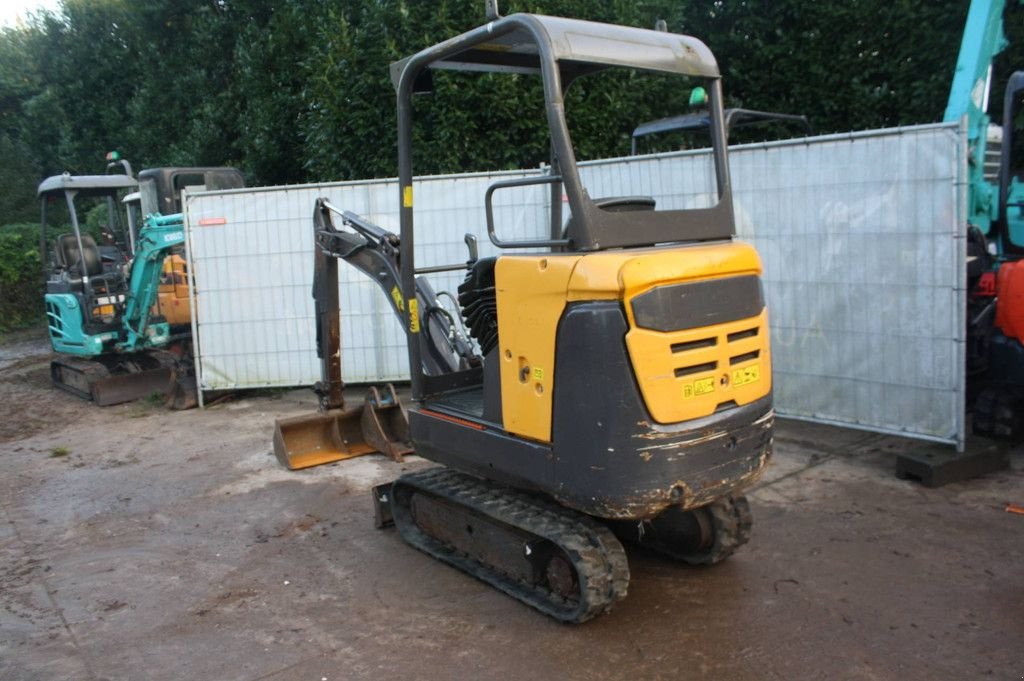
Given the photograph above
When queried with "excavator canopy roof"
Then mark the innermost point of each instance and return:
(86, 184)
(733, 118)
(516, 44)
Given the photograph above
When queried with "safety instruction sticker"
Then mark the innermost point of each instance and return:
(396, 296)
(538, 374)
(414, 315)
(746, 375)
(699, 387)
(407, 196)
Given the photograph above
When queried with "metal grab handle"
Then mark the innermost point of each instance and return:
(489, 207)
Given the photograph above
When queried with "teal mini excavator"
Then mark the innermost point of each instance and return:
(995, 226)
(994, 240)
(110, 348)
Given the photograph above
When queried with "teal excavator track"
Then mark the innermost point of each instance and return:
(113, 379)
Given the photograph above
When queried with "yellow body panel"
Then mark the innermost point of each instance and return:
(172, 301)
(614, 275)
(530, 296)
(532, 292)
(736, 374)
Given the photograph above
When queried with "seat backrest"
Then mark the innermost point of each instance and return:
(69, 255)
(616, 204)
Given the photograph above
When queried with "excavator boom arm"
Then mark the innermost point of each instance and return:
(158, 236)
(983, 39)
(376, 252)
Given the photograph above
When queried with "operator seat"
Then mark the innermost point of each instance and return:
(617, 204)
(86, 262)
(89, 264)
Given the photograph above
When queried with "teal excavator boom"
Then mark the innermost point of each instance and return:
(994, 348)
(983, 39)
(159, 234)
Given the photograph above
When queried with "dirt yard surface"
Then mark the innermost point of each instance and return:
(138, 543)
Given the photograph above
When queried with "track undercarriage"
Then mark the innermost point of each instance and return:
(614, 363)
(565, 564)
(114, 379)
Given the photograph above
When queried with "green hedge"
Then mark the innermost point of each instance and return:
(21, 279)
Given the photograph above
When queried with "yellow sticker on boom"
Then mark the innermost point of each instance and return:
(414, 315)
(396, 296)
(699, 387)
(407, 196)
(746, 375)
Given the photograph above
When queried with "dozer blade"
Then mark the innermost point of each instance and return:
(129, 387)
(113, 380)
(381, 425)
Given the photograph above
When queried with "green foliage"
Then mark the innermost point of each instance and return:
(299, 90)
(21, 281)
(98, 223)
(17, 181)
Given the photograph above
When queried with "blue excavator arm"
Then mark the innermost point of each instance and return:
(983, 39)
(158, 236)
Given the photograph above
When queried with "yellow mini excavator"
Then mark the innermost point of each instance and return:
(618, 382)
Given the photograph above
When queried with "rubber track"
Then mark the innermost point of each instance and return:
(92, 370)
(732, 521)
(595, 552)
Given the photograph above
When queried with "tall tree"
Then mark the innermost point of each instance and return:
(299, 90)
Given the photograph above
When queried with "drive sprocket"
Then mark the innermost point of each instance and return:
(701, 536)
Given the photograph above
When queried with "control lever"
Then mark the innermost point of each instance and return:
(474, 253)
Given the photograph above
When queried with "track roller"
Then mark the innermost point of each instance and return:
(559, 561)
(702, 536)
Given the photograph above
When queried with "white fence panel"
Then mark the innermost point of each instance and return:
(251, 254)
(860, 237)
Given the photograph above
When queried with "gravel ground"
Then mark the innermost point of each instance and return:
(138, 543)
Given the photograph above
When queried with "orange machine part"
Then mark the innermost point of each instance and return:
(172, 301)
(1010, 304)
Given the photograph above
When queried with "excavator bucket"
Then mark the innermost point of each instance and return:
(379, 426)
(182, 393)
(386, 424)
(335, 433)
(305, 441)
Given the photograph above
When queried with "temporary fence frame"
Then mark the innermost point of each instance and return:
(923, 210)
